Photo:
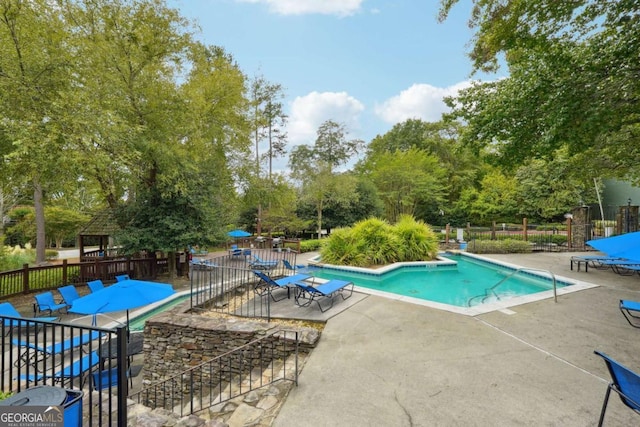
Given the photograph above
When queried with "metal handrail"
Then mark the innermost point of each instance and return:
(492, 289)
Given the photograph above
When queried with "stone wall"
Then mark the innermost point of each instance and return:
(176, 341)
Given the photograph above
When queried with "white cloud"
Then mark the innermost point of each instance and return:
(302, 7)
(308, 112)
(420, 101)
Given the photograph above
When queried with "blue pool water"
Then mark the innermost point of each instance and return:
(469, 283)
(137, 323)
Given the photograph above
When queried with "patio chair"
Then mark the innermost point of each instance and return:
(78, 369)
(624, 382)
(95, 285)
(267, 285)
(46, 302)
(69, 294)
(260, 264)
(306, 294)
(33, 353)
(107, 378)
(122, 278)
(7, 309)
(292, 267)
(235, 251)
(627, 308)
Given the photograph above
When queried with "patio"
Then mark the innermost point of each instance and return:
(384, 362)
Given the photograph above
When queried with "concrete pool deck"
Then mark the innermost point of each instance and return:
(385, 362)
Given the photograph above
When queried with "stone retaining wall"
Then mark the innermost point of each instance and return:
(176, 341)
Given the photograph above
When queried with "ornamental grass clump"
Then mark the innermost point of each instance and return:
(373, 242)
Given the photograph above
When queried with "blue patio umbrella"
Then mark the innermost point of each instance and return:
(622, 246)
(125, 295)
(236, 234)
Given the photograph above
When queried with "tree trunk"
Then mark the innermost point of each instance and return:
(38, 205)
(319, 220)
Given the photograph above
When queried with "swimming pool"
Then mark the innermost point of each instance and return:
(464, 282)
(137, 322)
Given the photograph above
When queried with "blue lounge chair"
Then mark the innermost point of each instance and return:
(260, 264)
(69, 294)
(45, 302)
(624, 382)
(627, 308)
(122, 278)
(78, 369)
(235, 251)
(267, 285)
(306, 294)
(7, 309)
(294, 268)
(33, 352)
(107, 379)
(95, 285)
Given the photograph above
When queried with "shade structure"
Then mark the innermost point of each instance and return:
(622, 246)
(125, 295)
(238, 234)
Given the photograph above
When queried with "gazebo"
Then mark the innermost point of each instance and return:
(98, 232)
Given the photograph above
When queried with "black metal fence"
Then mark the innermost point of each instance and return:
(72, 357)
(227, 283)
(256, 364)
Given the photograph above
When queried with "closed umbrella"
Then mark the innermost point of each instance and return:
(125, 295)
(621, 246)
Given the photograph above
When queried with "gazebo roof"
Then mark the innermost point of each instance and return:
(103, 223)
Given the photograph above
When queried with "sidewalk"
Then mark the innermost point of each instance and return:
(389, 363)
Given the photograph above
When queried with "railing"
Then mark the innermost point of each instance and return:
(30, 357)
(254, 365)
(492, 290)
(30, 278)
(226, 284)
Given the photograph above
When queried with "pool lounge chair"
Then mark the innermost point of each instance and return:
(260, 264)
(306, 294)
(624, 382)
(46, 303)
(627, 308)
(294, 268)
(33, 353)
(95, 285)
(267, 285)
(7, 309)
(122, 278)
(78, 369)
(69, 294)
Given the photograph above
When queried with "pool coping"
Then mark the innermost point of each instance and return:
(504, 306)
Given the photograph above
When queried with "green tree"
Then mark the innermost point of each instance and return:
(402, 188)
(496, 199)
(573, 82)
(315, 168)
(63, 224)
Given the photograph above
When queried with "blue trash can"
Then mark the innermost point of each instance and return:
(44, 395)
(463, 246)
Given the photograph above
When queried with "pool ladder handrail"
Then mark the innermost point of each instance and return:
(513, 273)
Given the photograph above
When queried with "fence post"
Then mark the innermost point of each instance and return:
(25, 278)
(122, 366)
(64, 272)
(569, 237)
(447, 230)
(524, 229)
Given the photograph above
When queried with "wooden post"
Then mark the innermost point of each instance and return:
(25, 278)
(524, 229)
(64, 271)
(569, 237)
(447, 230)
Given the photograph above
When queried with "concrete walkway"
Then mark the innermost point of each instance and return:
(390, 363)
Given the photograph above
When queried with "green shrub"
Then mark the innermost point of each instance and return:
(5, 394)
(375, 242)
(507, 246)
(310, 245)
(50, 254)
(558, 239)
(552, 227)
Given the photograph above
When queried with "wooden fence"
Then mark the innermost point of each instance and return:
(30, 279)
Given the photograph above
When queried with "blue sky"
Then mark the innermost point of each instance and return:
(366, 63)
